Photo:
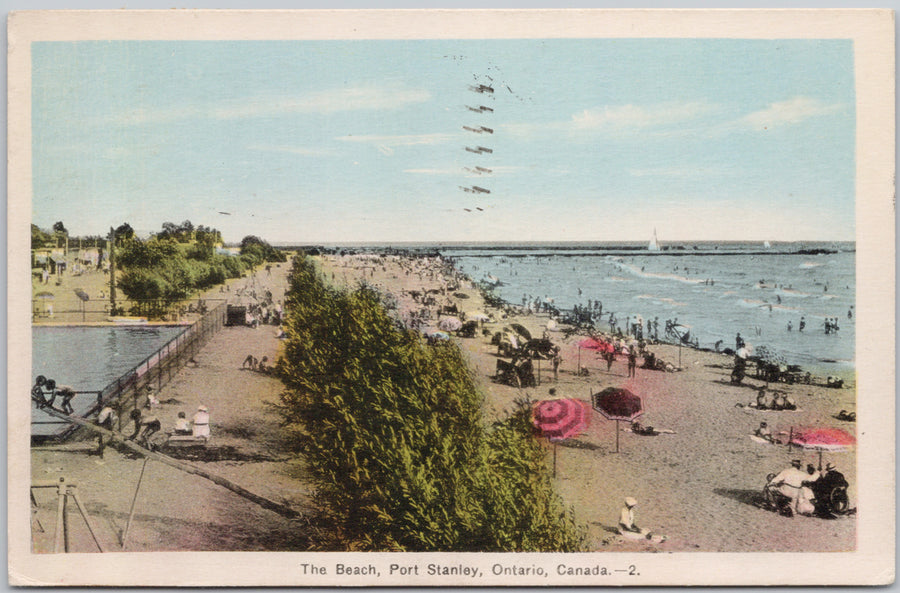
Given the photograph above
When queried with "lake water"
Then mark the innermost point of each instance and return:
(716, 290)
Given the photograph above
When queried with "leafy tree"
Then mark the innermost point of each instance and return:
(124, 233)
(392, 430)
(40, 238)
(59, 227)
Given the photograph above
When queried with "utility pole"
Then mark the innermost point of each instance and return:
(112, 271)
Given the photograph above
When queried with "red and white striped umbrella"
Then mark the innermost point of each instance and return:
(560, 419)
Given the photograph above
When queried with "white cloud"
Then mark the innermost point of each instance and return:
(432, 171)
(637, 116)
(298, 150)
(399, 140)
(358, 98)
(368, 98)
(618, 119)
(792, 111)
(679, 172)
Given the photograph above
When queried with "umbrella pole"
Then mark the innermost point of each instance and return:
(790, 438)
(617, 436)
(820, 460)
(554, 460)
(578, 370)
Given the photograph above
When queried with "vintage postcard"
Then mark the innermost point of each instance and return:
(443, 298)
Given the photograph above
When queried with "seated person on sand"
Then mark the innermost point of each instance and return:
(764, 400)
(788, 484)
(763, 432)
(637, 428)
(846, 416)
(201, 423)
(783, 402)
(182, 426)
(626, 524)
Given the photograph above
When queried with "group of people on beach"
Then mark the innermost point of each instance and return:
(810, 492)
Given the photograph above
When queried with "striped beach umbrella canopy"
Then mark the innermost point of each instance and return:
(560, 419)
(822, 439)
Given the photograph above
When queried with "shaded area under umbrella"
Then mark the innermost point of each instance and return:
(616, 403)
(560, 419)
(822, 439)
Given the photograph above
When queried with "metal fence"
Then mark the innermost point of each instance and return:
(48, 310)
(132, 389)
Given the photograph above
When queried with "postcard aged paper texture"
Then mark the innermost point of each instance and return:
(436, 298)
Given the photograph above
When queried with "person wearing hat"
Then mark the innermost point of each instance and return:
(626, 517)
(826, 485)
(787, 484)
(200, 423)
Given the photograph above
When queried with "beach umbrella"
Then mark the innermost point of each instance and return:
(450, 324)
(520, 329)
(591, 344)
(617, 404)
(44, 296)
(822, 439)
(560, 419)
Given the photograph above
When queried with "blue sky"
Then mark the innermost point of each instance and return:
(348, 141)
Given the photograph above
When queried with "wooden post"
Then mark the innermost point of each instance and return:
(60, 544)
(133, 503)
(87, 521)
(578, 370)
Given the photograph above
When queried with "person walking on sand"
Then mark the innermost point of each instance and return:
(556, 361)
(632, 361)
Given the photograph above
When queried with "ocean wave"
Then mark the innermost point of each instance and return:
(811, 264)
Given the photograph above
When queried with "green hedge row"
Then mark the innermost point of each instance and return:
(393, 433)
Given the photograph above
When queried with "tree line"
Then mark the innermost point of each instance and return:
(392, 430)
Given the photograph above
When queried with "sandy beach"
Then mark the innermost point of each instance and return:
(699, 485)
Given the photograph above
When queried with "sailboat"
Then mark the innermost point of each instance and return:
(654, 244)
(767, 245)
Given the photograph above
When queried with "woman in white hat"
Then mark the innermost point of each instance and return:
(200, 423)
(626, 517)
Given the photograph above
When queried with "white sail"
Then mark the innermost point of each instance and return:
(654, 244)
(767, 245)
